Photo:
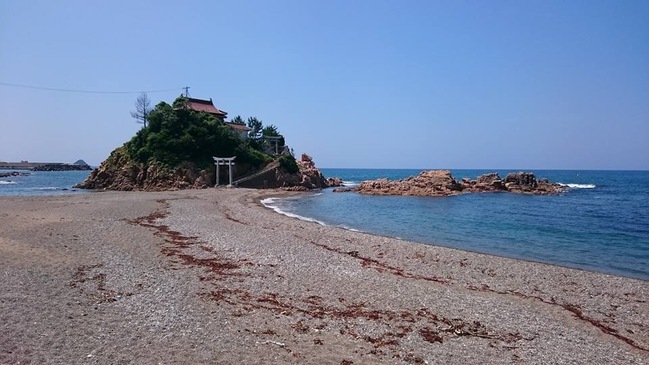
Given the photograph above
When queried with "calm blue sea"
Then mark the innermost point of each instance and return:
(42, 183)
(601, 224)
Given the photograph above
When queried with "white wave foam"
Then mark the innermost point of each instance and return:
(350, 228)
(351, 184)
(579, 186)
(268, 203)
(3, 182)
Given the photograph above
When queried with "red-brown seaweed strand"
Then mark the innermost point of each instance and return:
(315, 309)
(402, 321)
(381, 266)
(219, 266)
(572, 308)
(103, 294)
(214, 265)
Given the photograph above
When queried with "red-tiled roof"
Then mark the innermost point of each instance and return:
(207, 106)
(238, 126)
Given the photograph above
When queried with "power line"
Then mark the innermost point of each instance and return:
(87, 91)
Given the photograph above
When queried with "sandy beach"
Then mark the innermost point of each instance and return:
(211, 276)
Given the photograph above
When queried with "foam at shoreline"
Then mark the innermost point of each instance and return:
(268, 203)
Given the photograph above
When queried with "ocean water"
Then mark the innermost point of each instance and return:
(42, 183)
(601, 224)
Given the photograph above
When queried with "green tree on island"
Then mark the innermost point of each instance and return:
(237, 120)
(177, 146)
(255, 126)
(176, 134)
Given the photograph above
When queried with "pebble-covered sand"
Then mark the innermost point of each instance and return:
(211, 276)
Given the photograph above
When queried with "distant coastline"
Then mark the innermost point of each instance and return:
(45, 166)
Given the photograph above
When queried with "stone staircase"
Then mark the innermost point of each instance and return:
(264, 178)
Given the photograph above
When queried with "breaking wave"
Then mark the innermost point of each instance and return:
(579, 186)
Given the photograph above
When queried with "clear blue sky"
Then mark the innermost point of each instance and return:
(392, 84)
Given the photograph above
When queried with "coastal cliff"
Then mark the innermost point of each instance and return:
(442, 183)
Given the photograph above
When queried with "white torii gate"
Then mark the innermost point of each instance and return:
(220, 161)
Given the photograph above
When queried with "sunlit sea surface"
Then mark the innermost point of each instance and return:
(601, 224)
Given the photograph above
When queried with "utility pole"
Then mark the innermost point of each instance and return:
(186, 91)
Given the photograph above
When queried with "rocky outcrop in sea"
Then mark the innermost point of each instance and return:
(309, 177)
(13, 174)
(515, 182)
(442, 183)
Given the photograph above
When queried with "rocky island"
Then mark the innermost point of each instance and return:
(176, 150)
(442, 183)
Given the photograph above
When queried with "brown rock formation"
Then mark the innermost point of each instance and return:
(442, 183)
(308, 177)
(526, 182)
(427, 183)
(118, 172)
(334, 182)
(312, 177)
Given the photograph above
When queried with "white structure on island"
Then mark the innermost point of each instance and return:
(221, 161)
